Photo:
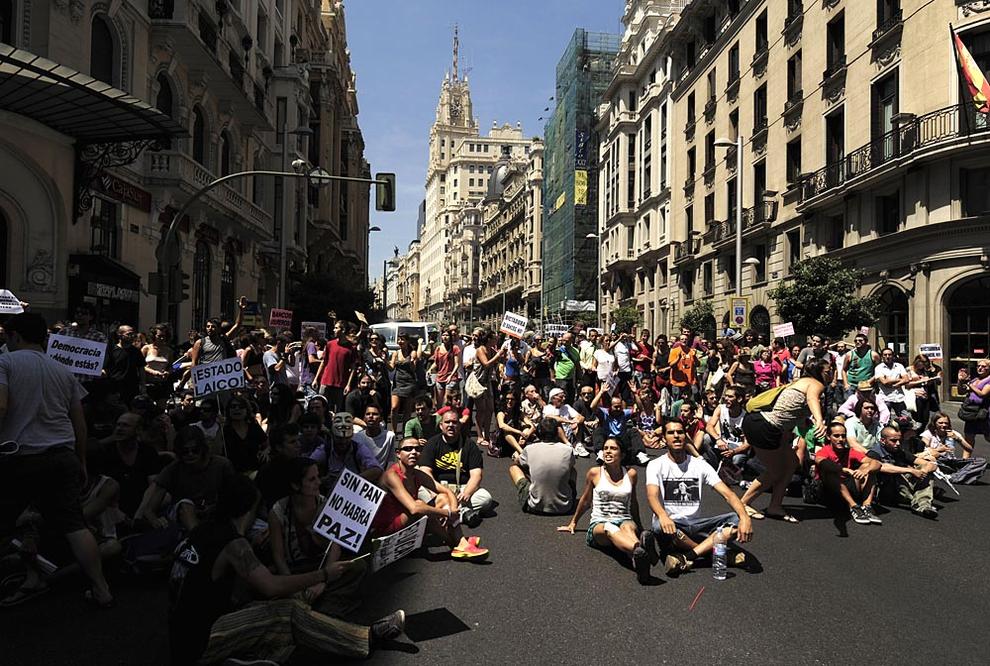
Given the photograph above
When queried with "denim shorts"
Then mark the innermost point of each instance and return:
(701, 527)
(590, 539)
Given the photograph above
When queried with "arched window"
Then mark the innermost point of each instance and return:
(224, 153)
(228, 286)
(7, 21)
(165, 102)
(759, 321)
(201, 284)
(709, 331)
(102, 52)
(969, 326)
(892, 329)
(199, 137)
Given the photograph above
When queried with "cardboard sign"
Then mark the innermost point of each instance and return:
(783, 330)
(513, 324)
(611, 383)
(346, 517)
(9, 304)
(932, 350)
(394, 547)
(220, 375)
(360, 317)
(320, 326)
(556, 330)
(252, 315)
(279, 318)
(81, 356)
(739, 309)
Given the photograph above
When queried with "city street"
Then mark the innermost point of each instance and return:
(899, 593)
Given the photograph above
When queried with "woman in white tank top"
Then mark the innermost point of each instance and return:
(610, 492)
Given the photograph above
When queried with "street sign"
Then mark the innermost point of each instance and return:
(513, 324)
(346, 517)
(739, 311)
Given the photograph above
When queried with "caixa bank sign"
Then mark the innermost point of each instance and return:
(101, 290)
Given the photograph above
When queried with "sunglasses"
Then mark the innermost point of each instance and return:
(410, 449)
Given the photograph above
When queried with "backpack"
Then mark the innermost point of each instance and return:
(765, 401)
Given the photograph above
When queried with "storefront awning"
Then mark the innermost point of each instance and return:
(75, 104)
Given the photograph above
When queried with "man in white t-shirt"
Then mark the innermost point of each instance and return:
(891, 377)
(674, 484)
(379, 439)
(565, 415)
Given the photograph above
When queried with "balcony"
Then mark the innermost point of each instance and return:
(623, 260)
(723, 232)
(760, 128)
(888, 29)
(686, 251)
(179, 172)
(836, 68)
(912, 139)
(732, 89)
(689, 187)
(760, 59)
(689, 130)
(710, 107)
(759, 217)
(792, 26)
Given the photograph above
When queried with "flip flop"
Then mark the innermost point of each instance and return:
(753, 513)
(23, 595)
(785, 517)
(91, 599)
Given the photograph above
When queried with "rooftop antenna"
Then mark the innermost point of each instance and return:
(457, 45)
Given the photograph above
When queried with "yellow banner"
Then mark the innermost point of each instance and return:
(580, 188)
(560, 200)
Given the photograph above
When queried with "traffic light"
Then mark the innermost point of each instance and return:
(178, 286)
(385, 192)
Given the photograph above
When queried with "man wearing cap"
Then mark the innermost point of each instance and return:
(864, 391)
(567, 417)
(903, 476)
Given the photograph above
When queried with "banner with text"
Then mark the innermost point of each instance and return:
(396, 546)
(279, 318)
(9, 304)
(220, 375)
(783, 330)
(932, 350)
(513, 324)
(320, 326)
(346, 517)
(81, 356)
(556, 330)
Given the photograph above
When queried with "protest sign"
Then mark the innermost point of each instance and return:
(320, 326)
(81, 356)
(611, 383)
(783, 330)
(513, 324)
(279, 318)
(220, 375)
(396, 546)
(932, 350)
(9, 304)
(360, 317)
(252, 315)
(864, 330)
(346, 517)
(556, 330)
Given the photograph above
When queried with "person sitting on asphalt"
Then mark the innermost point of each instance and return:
(206, 627)
(311, 437)
(863, 428)
(296, 546)
(192, 482)
(591, 418)
(544, 474)
(273, 479)
(513, 430)
(724, 444)
(346, 452)
(133, 464)
(903, 477)
(865, 391)
(403, 504)
(847, 476)
(454, 459)
(940, 446)
(565, 416)
(376, 437)
(424, 424)
(610, 493)
(648, 419)
(615, 421)
(674, 484)
(358, 400)
(456, 405)
(532, 404)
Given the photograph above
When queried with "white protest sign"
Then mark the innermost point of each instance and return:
(556, 330)
(932, 350)
(279, 318)
(346, 517)
(396, 546)
(513, 324)
(611, 383)
(81, 356)
(320, 326)
(217, 376)
(864, 330)
(783, 330)
(9, 304)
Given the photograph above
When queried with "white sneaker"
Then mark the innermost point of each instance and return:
(600, 458)
(642, 458)
(580, 451)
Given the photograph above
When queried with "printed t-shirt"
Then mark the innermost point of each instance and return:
(443, 457)
(680, 485)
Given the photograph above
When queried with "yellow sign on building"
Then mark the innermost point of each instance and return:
(580, 188)
(560, 200)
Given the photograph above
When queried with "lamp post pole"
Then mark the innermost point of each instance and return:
(739, 215)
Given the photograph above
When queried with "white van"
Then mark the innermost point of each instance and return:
(424, 331)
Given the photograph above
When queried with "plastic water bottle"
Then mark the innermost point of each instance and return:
(719, 556)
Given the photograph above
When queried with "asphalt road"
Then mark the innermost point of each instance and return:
(909, 591)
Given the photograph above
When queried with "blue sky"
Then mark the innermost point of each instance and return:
(400, 50)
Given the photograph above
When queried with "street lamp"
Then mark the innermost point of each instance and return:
(738, 145)
(299, 166)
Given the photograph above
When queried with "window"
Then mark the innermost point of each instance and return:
(835, 44)
(729, 266)
(199, 141)
(690, 109)
(630, 241)
(760, 269)
(631, 171)
(888, 11)
(710, 150)
(710, 28)
(883, 108)
(224, 153)
(708, 280)
(709, 209)
(646, 153)
(7, 21)
(794, 161)
(104, 228)
(730, 200)
(974, 185)
(712, 79)
(257, 182)
(734, 63)
(888, 213)
(103, 53)
(794, 78)
(835, 147)
(835, 232)
(228, 284)
(760, 108)
(662, 273)
(690, 50)
(734, 125)
(692, 164)
(687, 282)
(759, 185)
(793, 248)
(762, 33)
(631, 106)
(794, 8)
(164, 101)
(201, 283)
(689, 221)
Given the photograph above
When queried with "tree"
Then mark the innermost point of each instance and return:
(822, 298)
(626, 318)
(314, 294)
(696, 317)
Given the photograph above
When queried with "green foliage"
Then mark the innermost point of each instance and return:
(314, 294)
(821, 298)
(626, 317)
(696, 317)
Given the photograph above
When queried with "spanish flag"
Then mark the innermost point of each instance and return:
(977, 83)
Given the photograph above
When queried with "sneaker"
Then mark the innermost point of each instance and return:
(926, 511)
(471, 517)
(859, 516)
(470, 552)
(648, 540)
(599, 457)
(580, 451)
(675, 564)
(868, 512)
(641, 564)
(642, 458)
(389, 627)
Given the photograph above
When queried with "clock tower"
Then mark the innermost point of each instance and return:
(455, 115)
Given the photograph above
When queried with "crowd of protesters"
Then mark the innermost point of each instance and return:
(225, 488)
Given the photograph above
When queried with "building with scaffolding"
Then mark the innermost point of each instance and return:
(570, 187)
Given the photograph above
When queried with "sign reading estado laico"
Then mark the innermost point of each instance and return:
(81, 356)
(220, 375)
(346, 517)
